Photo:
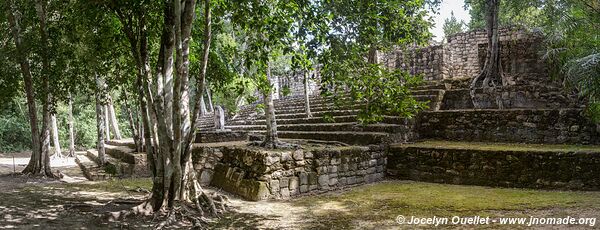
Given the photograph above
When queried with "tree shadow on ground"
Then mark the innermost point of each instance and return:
(48, 205)
(239, 220)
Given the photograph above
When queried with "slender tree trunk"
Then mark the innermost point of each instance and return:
(211, 107)
(372, 57)
(55, 137)
(113, 119)
(106, 118)
(34, 166)
(45, 136)
(100, 120)
(71, 128)
(307, 94)
(203, 111)
(271, 139)
(132, 124)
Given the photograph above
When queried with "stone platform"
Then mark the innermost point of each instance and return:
(505, 165)
(259, 174)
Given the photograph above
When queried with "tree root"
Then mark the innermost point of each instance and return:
(199, 209)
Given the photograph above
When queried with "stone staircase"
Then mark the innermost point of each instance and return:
(121, 160)
(328, 122)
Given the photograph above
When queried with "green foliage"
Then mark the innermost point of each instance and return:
(285, 90)
(524, 13)
(573, 47)
(452, 26)
(15, 134)
(260, 108)
(356, 29)
(328, 117)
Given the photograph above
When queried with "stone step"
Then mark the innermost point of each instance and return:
(351, 118)
(127, 142)
(436, 85)
(90, 169)
(314, 120)
(351, 138)
(301, 109)
(111, 165)
(298, 110)
(426, 92)
(123, 153)
(329, 127)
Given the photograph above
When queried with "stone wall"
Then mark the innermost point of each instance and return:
(529, 169)
(258, 174)
(464, 54)
(552, 126)
(295, 82)
(427, 61)
(515, 96)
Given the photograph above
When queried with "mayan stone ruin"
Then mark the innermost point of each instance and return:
(341, 153)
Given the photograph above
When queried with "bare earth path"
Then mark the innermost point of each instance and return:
(73, 203)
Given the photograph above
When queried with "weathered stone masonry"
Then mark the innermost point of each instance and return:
(464, 54)
(257, 174)
(505, 168)
(550, 126)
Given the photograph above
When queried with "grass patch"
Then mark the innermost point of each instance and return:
(486, 146)
(382, 202)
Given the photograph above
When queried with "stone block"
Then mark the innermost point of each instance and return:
(206, 177)
(285, 193)
(298, 155)
(294, 183)
(284, 182)
(274, 186)
(343, 181)
(371, 170)
(324, 180)
(312, 178)
(333, 169)
(335, 161)
(308, 154)
(303, 188)
(333, 181)
(303, 178)
(372, 163)
(351, 180)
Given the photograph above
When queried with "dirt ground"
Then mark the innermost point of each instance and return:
(74, 203)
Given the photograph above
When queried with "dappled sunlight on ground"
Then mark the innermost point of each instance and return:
(31, 202)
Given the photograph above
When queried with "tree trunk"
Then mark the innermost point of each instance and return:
(271, 139)
(203, 111)
(372, 57)
(211, 107)
(307, 94)
(132, 125)
(55, 137)
(71, 128)
(173, 175)
(113, 119)
(100, 121)
(491, 75)
(106, 117)
(35, 164)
